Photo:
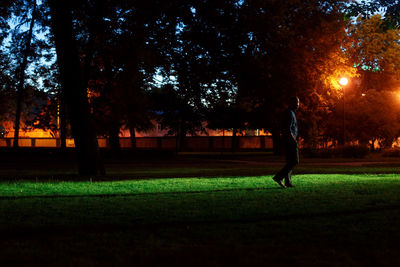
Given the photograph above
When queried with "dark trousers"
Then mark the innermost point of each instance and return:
(292, 159)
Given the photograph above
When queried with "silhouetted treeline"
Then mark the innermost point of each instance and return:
(231, 63)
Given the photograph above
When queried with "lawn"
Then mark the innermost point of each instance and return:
(52, 166)
(327, 219)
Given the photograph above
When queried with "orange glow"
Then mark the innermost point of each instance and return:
(32, 133)
(92, 94)
(35, 133)
(344, 81)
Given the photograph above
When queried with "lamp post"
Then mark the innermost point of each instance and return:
(343, 82)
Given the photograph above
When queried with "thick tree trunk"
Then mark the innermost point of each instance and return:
(178, 139)
(223, 139)
(181, 138)
(133, 138)
(63, 121)
(234, 140)
(115, 146)
(372, 145)
(21, 77)
(183, 143)
(276, 141)
(89, 161)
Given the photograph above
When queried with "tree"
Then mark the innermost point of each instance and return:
(376, 53)
(128, 53)
(291, 48)
(21, 72)
(24, 51)
(377, 117)
(365, 9)
(176, 114)
(6, 92)
(73, 84)
(372, 103)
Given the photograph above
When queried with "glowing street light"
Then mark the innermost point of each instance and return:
(343, 81)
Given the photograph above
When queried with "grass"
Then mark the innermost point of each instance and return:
(327, 219)
(198, 210)
(17, 189)
(61, 169)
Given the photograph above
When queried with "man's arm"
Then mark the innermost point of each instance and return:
(293, 138)
(288, 122)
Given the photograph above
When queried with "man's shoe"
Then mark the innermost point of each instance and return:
(279, 182)
(288, 182)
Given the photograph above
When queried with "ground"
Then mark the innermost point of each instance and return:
(199, 210)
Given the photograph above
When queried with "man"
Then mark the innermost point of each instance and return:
(290, 134)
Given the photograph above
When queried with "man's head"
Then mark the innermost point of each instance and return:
(294, 103)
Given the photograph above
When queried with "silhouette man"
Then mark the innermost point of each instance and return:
(290, 134)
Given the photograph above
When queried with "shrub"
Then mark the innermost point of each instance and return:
(318, 153)
(391, 153)
(354, 151)
(351, 151)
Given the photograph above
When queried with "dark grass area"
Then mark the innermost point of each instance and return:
(316, 224)
(50, 164)
(242, 219)
(341, 240)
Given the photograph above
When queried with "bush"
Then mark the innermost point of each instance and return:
(318, 153)
(355, 151)
(351, 151)
(394, 152)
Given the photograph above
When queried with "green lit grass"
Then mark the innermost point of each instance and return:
(330, 182)
(326, 220)
(58, 167)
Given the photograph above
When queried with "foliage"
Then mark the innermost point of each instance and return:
(377, 115)
(38, 76)
(348, 151)
(175, 112)
(394, 153)
(43, 113)
(390, 8)
(300, 53)
(376, 48)
(355, 151)
(232, 63)
(372, 103)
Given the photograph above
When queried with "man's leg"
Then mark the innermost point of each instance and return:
(292, 158)
(279, 177)
(283, 173)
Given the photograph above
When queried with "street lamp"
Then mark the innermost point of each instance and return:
(343, 82)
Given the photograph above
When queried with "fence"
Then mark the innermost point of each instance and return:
(192, 143)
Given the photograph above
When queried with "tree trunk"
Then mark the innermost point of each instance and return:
(89, 161)
(183, 142)
(63, 121)
(182, 138)
(276, 141)
(21, 77)
(133, 138)
(372, 145)
(234, 140)
(223, 139)
(115, 146)
(178, 139)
